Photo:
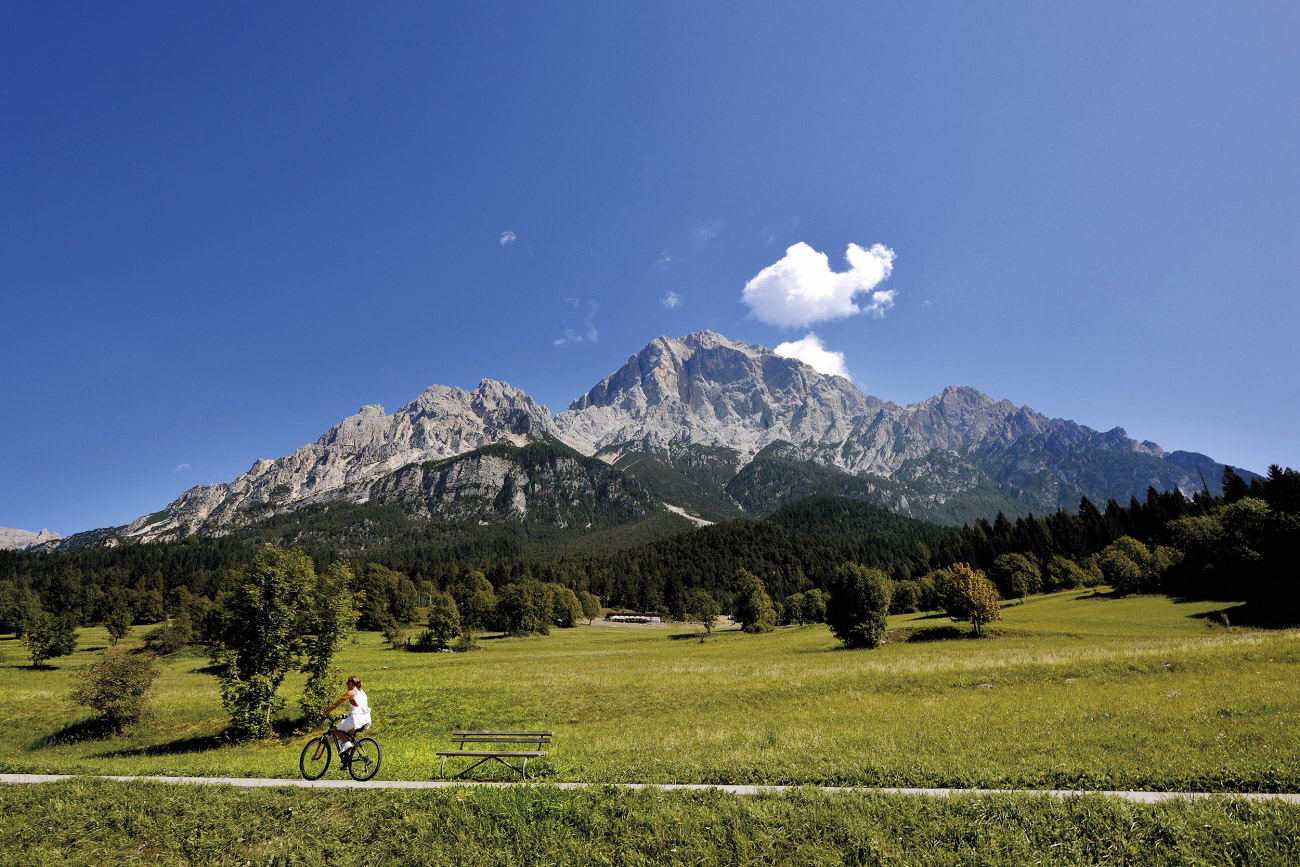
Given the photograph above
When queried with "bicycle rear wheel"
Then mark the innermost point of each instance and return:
(366, 757)
(315, 759)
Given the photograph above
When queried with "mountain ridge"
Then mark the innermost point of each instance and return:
(707, 408)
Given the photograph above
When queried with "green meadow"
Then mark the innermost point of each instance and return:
(1069, 690)
(95, 822)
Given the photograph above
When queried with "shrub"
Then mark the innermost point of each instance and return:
(395, 635)
(904, 597)
(115, 688)
(858, 611)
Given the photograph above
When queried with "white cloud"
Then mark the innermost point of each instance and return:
(812, 353)
(671, 301)
(507, 238)
(707, 231)
(583, 330)
(802, 289)
(180, 467)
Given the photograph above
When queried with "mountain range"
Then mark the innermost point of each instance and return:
(701, 426)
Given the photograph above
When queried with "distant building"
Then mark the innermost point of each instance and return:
(634, 617)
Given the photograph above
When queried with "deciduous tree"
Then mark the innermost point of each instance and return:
(270, 623)
(49, 637)
(752, 607)
(968, 595)
(858, 611)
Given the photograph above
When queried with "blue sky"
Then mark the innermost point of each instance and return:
(224, 227)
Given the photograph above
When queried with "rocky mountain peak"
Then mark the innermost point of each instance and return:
(700, 397)
(21, 540)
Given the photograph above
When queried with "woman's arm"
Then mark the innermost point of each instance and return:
(347, 695)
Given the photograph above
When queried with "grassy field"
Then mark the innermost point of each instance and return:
(1071, 691)
(94, 822)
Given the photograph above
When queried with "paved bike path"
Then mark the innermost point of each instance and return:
(257, 783)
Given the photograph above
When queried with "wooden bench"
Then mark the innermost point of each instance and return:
(460, 738)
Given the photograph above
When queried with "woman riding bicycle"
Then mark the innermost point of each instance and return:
(358, 717)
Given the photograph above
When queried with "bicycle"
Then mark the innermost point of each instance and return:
(362, 761)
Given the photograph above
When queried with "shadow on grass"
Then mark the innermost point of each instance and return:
(1243, 614)
(86, 730)
(929, 633)
(195, 744)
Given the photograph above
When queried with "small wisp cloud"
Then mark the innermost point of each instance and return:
(671, 301)
(507, 238)
(813, 353)
(801, 288)
(581, 329)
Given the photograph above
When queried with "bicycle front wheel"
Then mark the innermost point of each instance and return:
(315, 759)
(366, 756)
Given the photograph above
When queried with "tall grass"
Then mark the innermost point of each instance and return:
(1070, 691)
(98, 822)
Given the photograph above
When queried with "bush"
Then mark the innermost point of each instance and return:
(395, 635)
(905, 597)
(115, 688)
(1127, 566)
(858, 611)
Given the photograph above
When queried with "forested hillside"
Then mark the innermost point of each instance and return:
(1239, 546)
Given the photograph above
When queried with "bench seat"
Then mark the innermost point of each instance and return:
(524, 754)
(461, 737)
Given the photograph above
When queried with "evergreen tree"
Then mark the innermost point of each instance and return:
(1234, 486)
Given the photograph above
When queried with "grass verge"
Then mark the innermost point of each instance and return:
(97, 822)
